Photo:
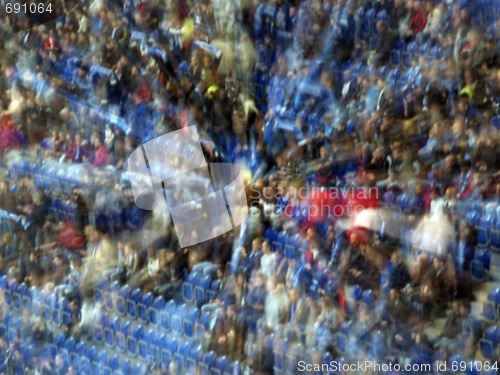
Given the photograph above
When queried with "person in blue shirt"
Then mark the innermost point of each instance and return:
(465, 247)
(252, 259)
(345, 32)
(255, 299)
(139, 116)
(471, 116)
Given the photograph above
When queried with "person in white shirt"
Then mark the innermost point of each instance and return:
(267, 260)
(437, 202)
(276, 305)
(433, 19)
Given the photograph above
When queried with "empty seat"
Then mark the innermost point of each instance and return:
(177, 319)
(370, 14)
(172, 345)
(382, 15)
(154, 310)
(143, 307)
(195, 356)
(122, 296)
(281, 240)
(189, 285)
(132, 302)
(124, 368)
(182, 353)
(270, 233)
(132, 340)
(158, 345)
(110, 332)
(77, 353)
(191, 318)
(145, 343)
(110, 295)
(483, 229)
(201, 289)
(209, 358)
(165, 315)
(87, 359)
(495, 235)
(18, 295)
(113, 361)
(489, 342)
(495, 122)
(203, 324)
(102, 287)
(121, 336)
(221, 364)
(234, 368)
(355, 292)
(99, 362)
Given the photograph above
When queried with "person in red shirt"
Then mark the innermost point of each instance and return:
(49, 43)
(101, 152)
(76, 150)
(419, 19)
(466, 184)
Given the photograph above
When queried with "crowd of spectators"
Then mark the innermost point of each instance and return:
(393, 105)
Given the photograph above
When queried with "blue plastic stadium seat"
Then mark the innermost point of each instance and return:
(234, 368)
(194, 356)
(145, 342)
(182, 353)
(112, 363)
(207, 361)
(132, 340)
(109, 295)
(177, 319)
(423, 49)
(121, 299)
(189, 285)
(270, 234)
(121, 336)
(189, 322)
(281, 240)
(143, 307)
(132, 302)
(18, 295)
(382, 15)
(489, 342)
(102, 287)
(172, 346)
(220, 365)
(155, 309)
(483, 229)
(200, 290)
(157, 346)
(124, 368)
(370, 14)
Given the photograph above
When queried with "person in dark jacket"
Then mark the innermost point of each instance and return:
(7, 198)
(384, 44)
(263, 359)
(400, 276)
(450, 330)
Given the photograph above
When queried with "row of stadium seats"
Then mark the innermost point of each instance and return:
(91, 360)
(172, 336)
